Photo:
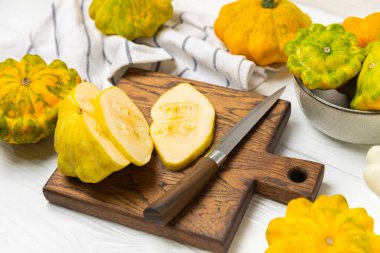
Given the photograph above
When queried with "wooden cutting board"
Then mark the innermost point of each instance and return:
(212, 219)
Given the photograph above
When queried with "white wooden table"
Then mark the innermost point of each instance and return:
(28, 223)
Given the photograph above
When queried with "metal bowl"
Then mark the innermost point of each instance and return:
(330, 113)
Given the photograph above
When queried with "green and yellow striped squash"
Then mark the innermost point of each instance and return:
(324, 57)
(367, 95)
(130, 19)
(30, 93)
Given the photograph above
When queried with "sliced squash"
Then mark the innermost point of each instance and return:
(125, 125)
(182, 127)
(84, 149)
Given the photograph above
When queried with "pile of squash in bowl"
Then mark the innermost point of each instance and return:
(343, 57)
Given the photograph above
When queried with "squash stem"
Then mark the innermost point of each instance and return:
(25, 81)
(329, 240)
(269, 4)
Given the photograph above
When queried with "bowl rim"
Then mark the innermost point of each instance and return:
(307, 91)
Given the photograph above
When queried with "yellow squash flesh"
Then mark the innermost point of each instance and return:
(125, 125)
(182, 127)
(84, 150)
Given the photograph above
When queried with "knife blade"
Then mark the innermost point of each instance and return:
(166, 207)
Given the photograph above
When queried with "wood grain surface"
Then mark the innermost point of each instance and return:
(211, 220)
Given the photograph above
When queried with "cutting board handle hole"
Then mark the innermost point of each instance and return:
(297, 175)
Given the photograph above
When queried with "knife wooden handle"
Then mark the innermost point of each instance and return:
(178, 196)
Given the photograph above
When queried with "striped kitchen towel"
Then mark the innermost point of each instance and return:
(185, 46)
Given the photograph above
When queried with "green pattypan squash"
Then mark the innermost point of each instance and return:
(367, 95)
(324, 57)
(130, 19)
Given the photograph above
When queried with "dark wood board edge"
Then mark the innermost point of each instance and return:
(244, 203)
(320, 168)
(169, 232)
(319, 182)
(280, 128)
(235, 224)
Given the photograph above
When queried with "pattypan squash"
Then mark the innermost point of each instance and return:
(366, 29)
(30, 94)
(100, 132)
(259, 29)
(324, 57)
(83, 146)
(326, 226)
(372, 171)
(367, 95)
(130, 19)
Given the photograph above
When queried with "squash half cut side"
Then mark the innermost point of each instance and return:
(125, 125)
(183, 125)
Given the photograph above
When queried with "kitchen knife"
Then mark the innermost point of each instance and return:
(178, 196)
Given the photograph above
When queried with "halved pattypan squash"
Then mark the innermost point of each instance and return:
(183, 125)
(84, 149)
(366, 29)
(259, 29)
(324, 57)
(30, 94)
(367, 95)
(99, 133)
(129, 18)
(326, 226)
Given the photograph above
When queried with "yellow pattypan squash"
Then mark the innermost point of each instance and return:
(259, 29)
(326, 226)
(83, 147)
(366, 29)
(99, 133)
